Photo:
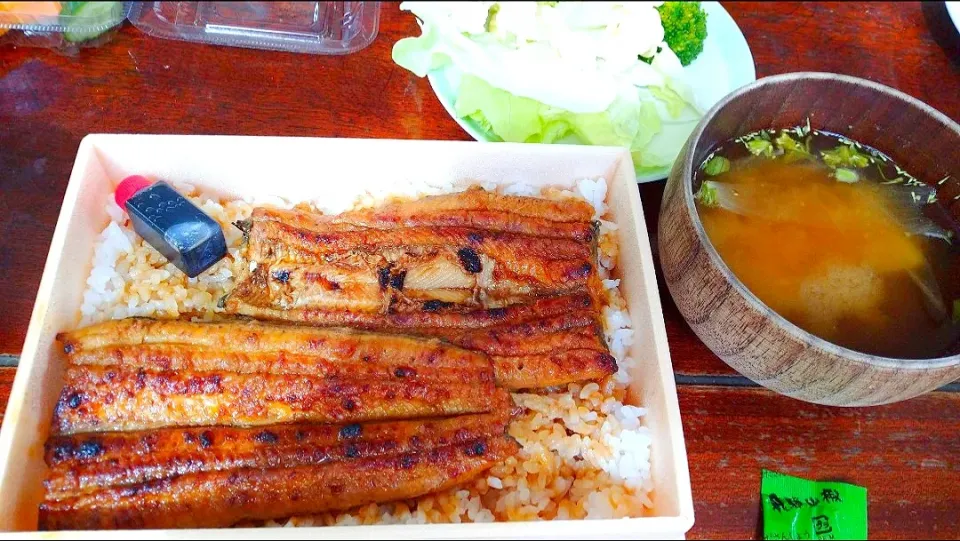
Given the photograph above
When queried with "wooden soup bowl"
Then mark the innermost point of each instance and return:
(730, 320)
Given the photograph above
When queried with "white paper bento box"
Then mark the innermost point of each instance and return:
(307, 169)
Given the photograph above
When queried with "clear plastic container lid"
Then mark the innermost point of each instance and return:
(73, 22)
(303, 27)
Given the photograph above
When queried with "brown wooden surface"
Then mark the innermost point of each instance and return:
(6, 381)
(907, 454)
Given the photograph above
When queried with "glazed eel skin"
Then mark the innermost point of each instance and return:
(513, 277)
(137, 374)
(476, 248)
(546, 342)
(220, 476)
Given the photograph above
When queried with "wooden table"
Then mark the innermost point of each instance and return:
(907, 455)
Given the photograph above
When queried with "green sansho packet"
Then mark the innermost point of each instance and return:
(795, 508)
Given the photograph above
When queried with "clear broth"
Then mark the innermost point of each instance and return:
(870, 264)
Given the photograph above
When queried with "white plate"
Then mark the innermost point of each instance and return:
(953, 9)
(724, 65)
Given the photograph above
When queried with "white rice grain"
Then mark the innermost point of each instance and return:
(594, 191)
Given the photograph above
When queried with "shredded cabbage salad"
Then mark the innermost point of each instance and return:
(580, 72)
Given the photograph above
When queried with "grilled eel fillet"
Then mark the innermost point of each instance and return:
(477, 249)
(454, 266)
(547, 342)
(137, 374)
(218, 476)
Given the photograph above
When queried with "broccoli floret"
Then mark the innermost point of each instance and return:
(685, 29)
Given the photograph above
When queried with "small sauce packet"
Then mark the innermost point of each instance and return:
(795, 508)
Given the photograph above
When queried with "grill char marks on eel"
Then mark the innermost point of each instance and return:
(138, 374)
(219, 476)
(512, 277)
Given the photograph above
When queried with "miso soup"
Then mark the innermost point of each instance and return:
(836, 238)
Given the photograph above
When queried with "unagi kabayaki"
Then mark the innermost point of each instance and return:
(477, 249)
(514, 277)
(138, 374)
(217, 477)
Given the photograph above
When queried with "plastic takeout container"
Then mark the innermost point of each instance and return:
(302, 27)
(60, 25)
(233, 167)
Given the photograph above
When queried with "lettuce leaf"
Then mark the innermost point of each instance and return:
(567, 81)
(629, 122)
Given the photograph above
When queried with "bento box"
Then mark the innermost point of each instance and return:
(301, 169)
